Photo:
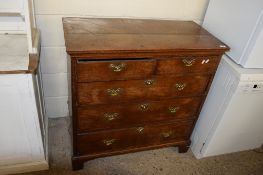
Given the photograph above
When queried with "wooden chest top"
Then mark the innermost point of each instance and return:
(102, 36)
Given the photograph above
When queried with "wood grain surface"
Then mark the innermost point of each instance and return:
(88, 35)
(97, 117)
(163, 87)
(143, 136)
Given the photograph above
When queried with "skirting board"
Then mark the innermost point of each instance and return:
(23, 168)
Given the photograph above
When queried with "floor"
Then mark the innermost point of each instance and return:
(156, 162)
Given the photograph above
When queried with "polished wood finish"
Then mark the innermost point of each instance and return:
(183, 148)
(187, 64)
(132, 35)
(136, 84)
(107, 141)
(96, 117)
(89, 71)
(137, 90)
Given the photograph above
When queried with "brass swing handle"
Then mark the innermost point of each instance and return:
(188, 61)
(117, 67)
(148, 82)
(144, 107)
(140, 129)
(114, 92)
(180, 86)
(109, 142)
(173, 109)
(111, 116)
(166, 134)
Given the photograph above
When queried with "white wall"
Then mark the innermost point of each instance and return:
(53, 56)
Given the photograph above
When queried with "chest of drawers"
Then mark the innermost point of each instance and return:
(136, 84)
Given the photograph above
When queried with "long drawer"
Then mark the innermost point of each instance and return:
(94, 117)
(123, 139)
(156, 88)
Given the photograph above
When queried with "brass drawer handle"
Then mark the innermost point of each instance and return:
(144, 106)
(180, 86)
(109, 142)
(140, 129)
(188, 62)
(111, 117)
(114, 92)
(167, 134)
(173, 109)
(148, 82)
(117, 67)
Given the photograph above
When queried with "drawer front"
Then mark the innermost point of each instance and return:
(188, 65)
(96, 117)
(114, 140)
(88, 71)
(134, 90)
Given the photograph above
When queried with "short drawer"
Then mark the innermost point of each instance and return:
(141, 136)
(94, 117)
(188, 64)
(155, 88)
(88, 71)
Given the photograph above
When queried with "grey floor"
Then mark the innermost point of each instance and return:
(156, 162)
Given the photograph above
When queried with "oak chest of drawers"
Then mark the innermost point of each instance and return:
(136, 84)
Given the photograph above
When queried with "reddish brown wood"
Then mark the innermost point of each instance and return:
(74, 111)
(187, 64)
(152, 50)
(94, 117)
(183, 148)
(107, 141)
(144, 55)
(136, 90)
(83, 35)
(87, 157)
(88, 71)
(77, 164)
